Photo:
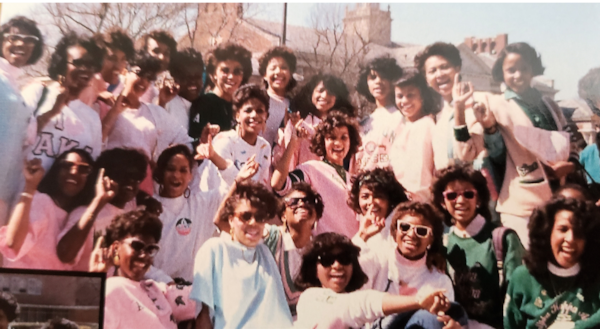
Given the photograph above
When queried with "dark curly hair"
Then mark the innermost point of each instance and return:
(436, 255)
(185, 61)
(30, 26)
(149, 66)
(323, 244)
(158, 174)
(302, 102)
(50, 186)
(136, 222)
(310, 192)
(246, 92)
(585, 225)
(432, 102)
(386, 67)
(585, 193)
(465, 173)
(335, 119)
(442, 49)
(117, 39)
(161, 36)
(288, 56)
(528, 54)
(123, 164)
(58, 60)
(229, 51)
(9, 305)
(382, 183)
(60, 323)
(259, 197)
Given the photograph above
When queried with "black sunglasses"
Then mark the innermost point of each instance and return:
(246, 216)
(293, 202)
(328, 259)
(139, 246)
(82, 168)
(451, 195)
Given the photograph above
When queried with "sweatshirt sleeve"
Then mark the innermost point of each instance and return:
(514, 255)
(513, 318)
(362, 307)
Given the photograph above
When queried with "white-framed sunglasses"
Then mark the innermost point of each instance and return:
(420, 230)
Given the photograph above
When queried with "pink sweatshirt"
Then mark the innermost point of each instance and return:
(46, 220)
(337, 216)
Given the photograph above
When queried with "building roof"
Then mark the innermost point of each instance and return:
(576, 109)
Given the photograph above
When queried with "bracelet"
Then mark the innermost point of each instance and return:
(27, 195)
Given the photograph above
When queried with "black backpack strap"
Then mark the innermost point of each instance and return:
(41, 101)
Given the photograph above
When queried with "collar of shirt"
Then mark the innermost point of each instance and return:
(12, 73)
(564, 272)
(472, 229)
(532, 96)
(288, 242)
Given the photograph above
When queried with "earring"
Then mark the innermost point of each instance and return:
(231, 233)
(61, 79)
(428, 247)
(160, 189)
(315, 226)
(116, 260)
(187, 192)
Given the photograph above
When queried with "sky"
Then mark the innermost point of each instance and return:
(566, 35)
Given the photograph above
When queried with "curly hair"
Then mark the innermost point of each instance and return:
(246, 92)
(58, 60)
(436, 255)
(136, 222)
(50, 186)
(259, 197)
(583, 191)
(117, 39)
(335, 119)
(381, 182)
(161, 36)
(386, 67)
(310, 192)
(288, 56)
(158, 174)
(432, 102)
(229, 51)
(442, 49)
(149, 66)
(9, 305)
(302, 102)
(122, 164)
(29, 26)
(60, 323)
(184, 62)
(528, 54)
(323, 244)
(585, 225)
(464, 173)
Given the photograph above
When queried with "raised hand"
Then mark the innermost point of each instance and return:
(100, 260)
(461, 93)
(205, 150)
(106, 189)
(168, 89)
(33, 173)
(485, 117)
(209, 129)
(107, 97)
(370, 225)
(248, 170)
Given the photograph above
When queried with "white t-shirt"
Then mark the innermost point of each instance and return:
(179, 108)
(237, 152)
(77, 126)
(277, 108)
(187, 224)
(318, 306)
(378, 135)
(149, 129)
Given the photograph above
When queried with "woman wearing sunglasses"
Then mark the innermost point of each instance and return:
(22, 45)
(461, 193)
(330, 277)
(131, 301)
(415, 263)
(235, 276)
(30, 238)
(303, 208)
(63, 120)
(123, 171)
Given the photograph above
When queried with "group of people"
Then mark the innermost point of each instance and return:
(213, 203)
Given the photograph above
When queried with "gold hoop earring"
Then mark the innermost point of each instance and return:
(116, 260)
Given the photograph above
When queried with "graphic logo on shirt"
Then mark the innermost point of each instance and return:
(45, 144)
(183, 226)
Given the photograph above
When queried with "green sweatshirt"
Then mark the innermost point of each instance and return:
(472, 267)
(554, 305)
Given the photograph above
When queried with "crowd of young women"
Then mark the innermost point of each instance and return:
(243, 206)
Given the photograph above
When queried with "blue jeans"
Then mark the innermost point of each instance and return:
(423, 319)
